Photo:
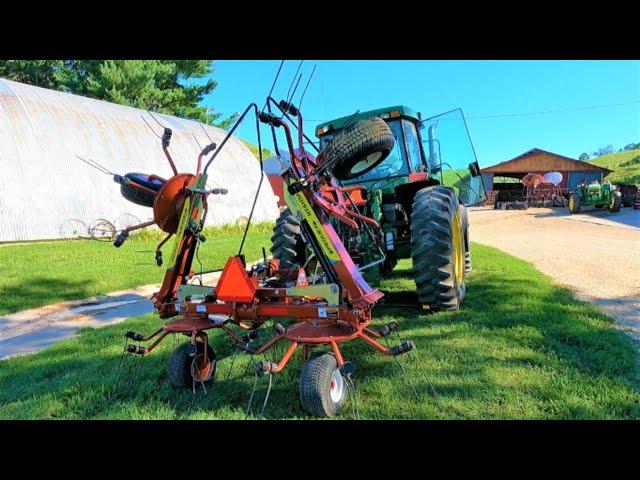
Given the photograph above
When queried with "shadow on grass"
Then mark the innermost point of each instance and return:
(521, 347)
(39, 290)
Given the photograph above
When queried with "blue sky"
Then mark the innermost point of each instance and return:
(481, 88)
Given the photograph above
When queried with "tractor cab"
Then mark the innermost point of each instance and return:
(432, 151)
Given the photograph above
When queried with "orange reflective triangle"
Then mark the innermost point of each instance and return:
(234, 284)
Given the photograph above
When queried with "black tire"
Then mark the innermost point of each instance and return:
(287, 244)
(464, 214)
(135, 194)
(438, 267)
(316, 387)
(179, 365)
(574, 203)
(616, 203)
(358, 149)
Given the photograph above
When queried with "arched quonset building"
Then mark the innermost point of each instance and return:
(47, 190)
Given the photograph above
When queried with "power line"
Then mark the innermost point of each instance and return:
(542, 112)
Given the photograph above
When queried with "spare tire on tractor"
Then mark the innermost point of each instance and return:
(358, 149)
(438, 248)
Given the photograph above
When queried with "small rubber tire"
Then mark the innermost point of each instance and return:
(574, 203)
(438, 264)
(179, 364)
(359, 148)
(321, 393)
(616, 203)
(135, 194)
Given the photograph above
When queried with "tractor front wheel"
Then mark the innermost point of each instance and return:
(323, 389)
(287, 244)
(615, 202)
(574, 204)
(438, 248)
(464, 212)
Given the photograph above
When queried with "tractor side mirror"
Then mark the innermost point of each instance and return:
(474, 169)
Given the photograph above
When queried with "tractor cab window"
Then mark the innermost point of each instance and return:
(396, 164)
(413, 146)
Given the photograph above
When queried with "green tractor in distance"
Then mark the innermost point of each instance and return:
(418, 194)
(596, 194)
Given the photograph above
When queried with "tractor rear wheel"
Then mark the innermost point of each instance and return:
(574, 203)
(287, 244)
(437, 248)
(359, 148)
(181, 363)
(615, 202)
(323, 389)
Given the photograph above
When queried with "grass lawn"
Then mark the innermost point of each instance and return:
(521, 347)
(37, 274)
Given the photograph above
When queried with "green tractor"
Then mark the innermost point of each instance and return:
(596, 194)
(418, 194)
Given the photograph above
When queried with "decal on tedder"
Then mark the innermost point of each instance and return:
(316, 226)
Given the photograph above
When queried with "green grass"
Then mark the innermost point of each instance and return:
(522, 347)
(266, 153)
(37, 274)
(626, 170)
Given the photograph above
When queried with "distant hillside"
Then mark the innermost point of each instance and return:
(626, 166)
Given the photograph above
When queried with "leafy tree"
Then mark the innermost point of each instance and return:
(41, 73)
(584, 157)
(174, 87)
(603, 151)
(631, 146)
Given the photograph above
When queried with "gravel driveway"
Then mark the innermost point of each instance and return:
(595, 253)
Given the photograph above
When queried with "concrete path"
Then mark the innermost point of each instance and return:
(595, 253)
(32, 330)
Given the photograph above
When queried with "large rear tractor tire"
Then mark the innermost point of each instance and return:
(574, 203)
(437, 248)
(323, 389)
(615, 202)
(358, 149)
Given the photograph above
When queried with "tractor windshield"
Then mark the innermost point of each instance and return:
(394, 165)
(450, 154)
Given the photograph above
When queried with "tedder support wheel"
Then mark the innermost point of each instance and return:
(574, 203)
(182, 362)
(464, 213)
(287, 244)
(136, 195)
(323, 389)
(359, 148)
(615, 202)
(437, 248)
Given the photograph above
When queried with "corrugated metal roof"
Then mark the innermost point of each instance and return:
(571, 164)
(46, 185)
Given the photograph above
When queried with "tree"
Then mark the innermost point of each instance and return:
(603, 151)
(41, 73)
(631, 146)
(584, 157)
(174, 87)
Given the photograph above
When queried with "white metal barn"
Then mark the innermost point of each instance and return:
(47, 191)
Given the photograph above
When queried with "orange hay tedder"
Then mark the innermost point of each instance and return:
(329, 306)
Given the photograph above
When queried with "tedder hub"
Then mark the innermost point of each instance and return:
(329, 306)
